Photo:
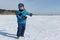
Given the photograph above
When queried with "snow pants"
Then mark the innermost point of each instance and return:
(21, 29)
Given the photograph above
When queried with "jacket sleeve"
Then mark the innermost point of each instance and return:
(28, 13)
(17, 15)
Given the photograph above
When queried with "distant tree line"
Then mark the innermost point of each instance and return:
(7, 12)
(13, 12)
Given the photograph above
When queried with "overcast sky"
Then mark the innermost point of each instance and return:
(32, 5)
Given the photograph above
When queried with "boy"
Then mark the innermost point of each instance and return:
(21, 19)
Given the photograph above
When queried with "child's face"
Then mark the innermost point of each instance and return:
(21, 8)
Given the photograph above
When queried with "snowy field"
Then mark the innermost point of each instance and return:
(37, 28)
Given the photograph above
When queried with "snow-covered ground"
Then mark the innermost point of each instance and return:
(37, 28)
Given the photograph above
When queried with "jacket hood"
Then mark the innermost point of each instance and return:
(20, 4)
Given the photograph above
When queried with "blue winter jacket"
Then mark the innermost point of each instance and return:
(19, 18)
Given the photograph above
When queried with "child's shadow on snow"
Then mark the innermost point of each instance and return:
(7, 34)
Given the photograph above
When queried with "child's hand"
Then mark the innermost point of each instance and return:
(20, 14)
(24, 17)
(30, 14)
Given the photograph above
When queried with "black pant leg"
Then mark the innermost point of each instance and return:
(19, 30)
(23, 29)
